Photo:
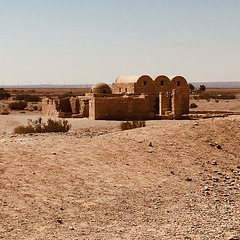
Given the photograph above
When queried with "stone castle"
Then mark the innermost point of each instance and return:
(131, 98)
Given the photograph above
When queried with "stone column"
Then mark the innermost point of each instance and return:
(164, 102)
(176, 104)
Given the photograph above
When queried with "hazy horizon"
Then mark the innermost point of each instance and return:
(61, 42)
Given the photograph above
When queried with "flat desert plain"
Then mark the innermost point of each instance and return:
(168, 180)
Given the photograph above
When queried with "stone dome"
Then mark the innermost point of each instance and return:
(100, 88)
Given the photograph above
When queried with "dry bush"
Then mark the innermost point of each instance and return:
(193, 105)
(17, 105)
(132, 124)
(4, 94)
(5, 112)
(28, 98)
(39, 127)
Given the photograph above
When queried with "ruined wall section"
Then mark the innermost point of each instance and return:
(84, 107)
(165, 104)
(50, 107)
(79, 106)
(177, 104)
(67, 107)
(120, 108)
(75, 105)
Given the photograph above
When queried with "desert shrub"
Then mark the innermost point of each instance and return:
(17, 105)
(205, 96)
(132, 124)
(67, 95)
(4, 94)
(208, 96)
(227, 96)
(5, 112)
(35, 108)
(39, 127)
(28, 98)
(193, 105)
(196, 97)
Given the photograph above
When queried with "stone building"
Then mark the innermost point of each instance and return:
(131, 97)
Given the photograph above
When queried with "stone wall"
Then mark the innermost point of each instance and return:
(164, 102)
(123, 87)
(67, 107)
(120, 108)
(49, 107)
(132, 97)
(176, 104)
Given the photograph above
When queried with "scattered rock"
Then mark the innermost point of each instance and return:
(172, 172)
(233, 238)
(219, 146)
(214, 163)
(59, 221)
(140, 141)
(71, 228)
(188, 179)
(149, 151)
(215, 179)
(150, 144)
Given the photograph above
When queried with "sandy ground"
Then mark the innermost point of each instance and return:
(169, 180)
(222, 105)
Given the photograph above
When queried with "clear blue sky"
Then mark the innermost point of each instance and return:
(89, 41)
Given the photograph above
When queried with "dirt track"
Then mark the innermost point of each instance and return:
(113, 185)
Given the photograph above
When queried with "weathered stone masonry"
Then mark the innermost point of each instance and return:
(131, 97)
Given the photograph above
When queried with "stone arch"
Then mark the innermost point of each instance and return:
(178, 81)
(162, 81)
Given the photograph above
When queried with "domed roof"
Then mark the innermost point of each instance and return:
(100, 88)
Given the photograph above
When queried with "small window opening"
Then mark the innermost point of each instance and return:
(125, 89)
(120, 89)
(104, 91)
(162, 83)
(178, 83)
(144, 83)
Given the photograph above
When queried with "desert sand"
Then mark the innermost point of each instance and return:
(169, 180)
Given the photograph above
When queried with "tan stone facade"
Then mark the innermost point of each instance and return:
(131, 97)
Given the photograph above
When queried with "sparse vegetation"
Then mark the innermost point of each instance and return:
(5, 112)
(4, 94)
(132, 124)
(28, 98)
(67, 94)
(202, 88)
(39, 127)
(191, 87)
(193, 105)
(208, 96)
(17, 105)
